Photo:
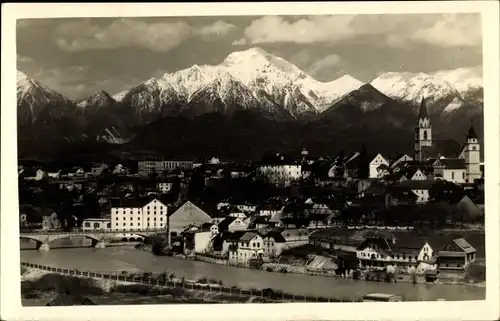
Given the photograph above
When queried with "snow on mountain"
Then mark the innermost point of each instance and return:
(98, 100)
(222, 94)
(119, 96)
(33, 98)
(412, 87)
(258, 69)
(464, 79)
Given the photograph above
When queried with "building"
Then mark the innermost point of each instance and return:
(470, 153)
(185, 216)
(164, 187)
(419, 187)
(147, 167)
(50, 220)
(96, 224)
(375, 163)
(400, 159)
(133, 215)
(274, 244)
(450, 169)
(231, 224)
(249, 246)
(423, 133)
(456, 255)
(279, 171)
(295, 237)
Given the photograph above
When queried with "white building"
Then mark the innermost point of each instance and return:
(164, 187)
(470, 153)
(282, 175)
(137, 216)
(375, 163)
(401, 159)
(147, 167)
(249, 246)
(96, 224)
(450, 169)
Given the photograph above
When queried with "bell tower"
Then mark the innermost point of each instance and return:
(423, 132)
(471, 155)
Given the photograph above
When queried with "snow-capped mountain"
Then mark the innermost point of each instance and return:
(35, 99)
(223, 94)
(98, 100)
(412, 87)
(119, 96)
(283, 83)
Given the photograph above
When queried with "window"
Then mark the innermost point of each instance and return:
(116, 224)
(124, 224)
(425, 135)
(463, 175)
(452, 175)
(87, 224)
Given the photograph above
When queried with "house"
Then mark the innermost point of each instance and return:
(250, 246)
(419, 187)
(383, 171)
(50, 220)
(400, 159)
(134, 215)
(186, 215)
(231, 224)
(96, 224)
(456, 255)
(400, 195)
(295, 237)
(450, 169)
(260, 222)
(411, 255)
(279, 171)
(164, 187)
(147, 167)
(202, 240)
(98, 169)
(269, 209)
(274, 244)
(375, 163)
(246, 208)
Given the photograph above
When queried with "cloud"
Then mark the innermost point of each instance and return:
(395, 30)
(308, 30)
(240, 42)
(452, 31)
(157, 36)
(83, 35)
(324, 65)
(218, 28)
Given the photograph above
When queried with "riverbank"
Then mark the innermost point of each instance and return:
(39, 287)
(38, 280)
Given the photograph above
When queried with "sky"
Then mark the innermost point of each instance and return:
(79, 56)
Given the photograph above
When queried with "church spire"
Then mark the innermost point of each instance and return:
(423, 109)
(472, 132)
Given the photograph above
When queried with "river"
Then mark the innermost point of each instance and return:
(113, 259)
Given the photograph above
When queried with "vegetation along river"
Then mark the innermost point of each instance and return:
(117, 259)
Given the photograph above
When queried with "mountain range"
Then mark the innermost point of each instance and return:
(248, 87)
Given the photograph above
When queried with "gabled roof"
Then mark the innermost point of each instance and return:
(248, 236)
(452, 163)
(276, 235)
(464, 245)
(224, 224)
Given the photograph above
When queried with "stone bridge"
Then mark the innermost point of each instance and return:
(99, 238)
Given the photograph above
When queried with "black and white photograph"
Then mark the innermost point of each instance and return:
(250, 159)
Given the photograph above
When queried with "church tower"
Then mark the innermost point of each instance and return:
(471, 155)
(423, 132)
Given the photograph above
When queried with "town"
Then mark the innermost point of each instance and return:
(417, 217)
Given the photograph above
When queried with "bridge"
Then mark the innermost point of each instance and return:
(98, 237)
